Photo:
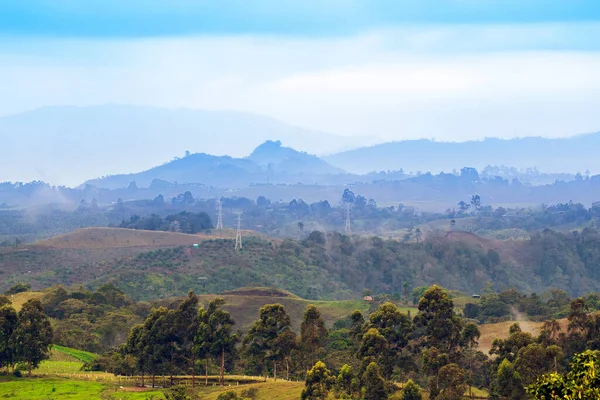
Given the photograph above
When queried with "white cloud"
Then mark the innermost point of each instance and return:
(427, 81)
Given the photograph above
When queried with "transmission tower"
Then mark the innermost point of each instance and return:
(348, 227)
(238, 233)
(219, 214)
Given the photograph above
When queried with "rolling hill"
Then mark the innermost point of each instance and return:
(269, 163)
(573, 154)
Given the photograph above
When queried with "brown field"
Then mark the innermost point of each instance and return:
(489, 332)
(103, 238)
(20, 298)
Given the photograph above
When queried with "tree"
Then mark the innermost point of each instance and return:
(411, 391)
(313, 333)
(436, 314)
(285, 344)
(32, 336)
(319, 382)
(222, 338)
(260, 343)
(373, 345)
(8, 323)
(581, 382)
(202, 339)
(396, 327)
(346, 383)
(507, 382)
(373, 383)
(451, 380)
(535, 360)
(187, 325)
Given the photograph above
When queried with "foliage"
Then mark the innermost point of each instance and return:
(318, 383)
(581, 382)
(31, 339)
(411, 391)
(373, 383)
(19, 288)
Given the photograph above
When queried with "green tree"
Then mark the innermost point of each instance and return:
(396, 327)
(411, 391)
(373, 383)
(582, 382)
(319, 382)
(222, 337)
(313, 333)
(202, 340)
(436, 314)
(507, 383)
(535, 360)
(260, 343)
(373, 346)
(187, 325)
(452, 382)
(347, 384)
(32, 336)
(8, 323)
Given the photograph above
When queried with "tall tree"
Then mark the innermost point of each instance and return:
(187, 325)
(222, 337)
(451, 382)
(373, 383)
(202, 340)
(396, 327)
(319, 382)
(436, 314)
(32, 336)
(260, 343)
(313, 333)
(8, 323)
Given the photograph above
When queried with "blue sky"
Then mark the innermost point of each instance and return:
(445, 69)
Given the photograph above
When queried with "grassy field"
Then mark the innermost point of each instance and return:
(21, 298)
(80, 355)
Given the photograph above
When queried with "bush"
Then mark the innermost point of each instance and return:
(411, 391)
(229, 395)
(17, 373)
(19, 288)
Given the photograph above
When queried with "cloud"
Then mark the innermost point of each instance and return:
(451, 82)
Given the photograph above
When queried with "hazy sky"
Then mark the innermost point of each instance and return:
(444, 69)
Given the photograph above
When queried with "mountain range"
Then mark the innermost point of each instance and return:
(108, 145)
(574, 154)
(66, 145)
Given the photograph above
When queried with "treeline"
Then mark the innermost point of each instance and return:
(185, 222)
(93, 321)
(360, 356)
(25, 336)
(506, 305)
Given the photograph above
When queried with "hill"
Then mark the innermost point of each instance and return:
(268, 163)
(112, 238)
(115, 139)
(150, 265)
(573, 154)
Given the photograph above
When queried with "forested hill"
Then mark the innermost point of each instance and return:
(574, 154)
(320, 266)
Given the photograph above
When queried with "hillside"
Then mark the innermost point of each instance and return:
(573, 154)
(269, 162)
(150, 265)
(116, 139)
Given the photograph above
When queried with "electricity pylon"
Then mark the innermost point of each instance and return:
(238, 233)
(219, 214)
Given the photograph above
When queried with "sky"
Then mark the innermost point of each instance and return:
(450, 70)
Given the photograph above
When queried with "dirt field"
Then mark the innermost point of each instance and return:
(102, 238)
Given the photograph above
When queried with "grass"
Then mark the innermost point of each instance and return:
(80, 355)
(69, 389)
(21, 298)
(280, 390)
(50, 388)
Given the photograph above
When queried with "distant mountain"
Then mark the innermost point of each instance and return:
(575, 154)
(67, 145)
(268, 163)
(274, 157)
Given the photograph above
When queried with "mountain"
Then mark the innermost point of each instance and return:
(574, 154)
(67, 145)
(269, 162)
(273, 156)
